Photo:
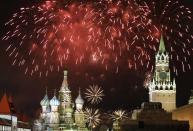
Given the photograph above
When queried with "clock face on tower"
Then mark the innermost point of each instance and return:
(162, 75)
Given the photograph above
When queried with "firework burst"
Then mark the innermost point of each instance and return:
(48, 37)
(94, 94)
(52, 35)
(148, 78)
(119, 115)
(172, 19)
(92, 117)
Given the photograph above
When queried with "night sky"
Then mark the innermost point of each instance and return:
(122, 90)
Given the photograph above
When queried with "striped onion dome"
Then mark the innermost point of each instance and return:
(45, 101)
(54, 101)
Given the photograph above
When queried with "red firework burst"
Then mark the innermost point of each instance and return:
(52, 35)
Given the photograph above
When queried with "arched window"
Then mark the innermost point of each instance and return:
(158, 58)
(171, 88)
(162, 57)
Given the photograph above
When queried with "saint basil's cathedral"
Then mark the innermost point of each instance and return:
(59, 114)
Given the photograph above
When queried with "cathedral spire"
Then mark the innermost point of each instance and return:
(46, 91)
(79, 92)
(54, 92)
(65, 81)
(162, 45)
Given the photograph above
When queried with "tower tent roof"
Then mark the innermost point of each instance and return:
(4, 105)
(162, 45)
(64, 86)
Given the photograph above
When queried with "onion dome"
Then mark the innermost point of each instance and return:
(79, 102)
(45, 101)
(79, 99)
(54, 101)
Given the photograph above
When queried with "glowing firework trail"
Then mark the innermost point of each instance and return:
(94, 94)
(148, 78)
(173, 19)
(52, 35)
(48, 36)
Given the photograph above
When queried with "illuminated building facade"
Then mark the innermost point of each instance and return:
(59, 114)
(9, 120)
(162, 88)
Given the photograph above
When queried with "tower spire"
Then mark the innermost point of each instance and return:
(65, 81)
(46, 91)
(79, 92)
(54, 92)
(162, 45)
